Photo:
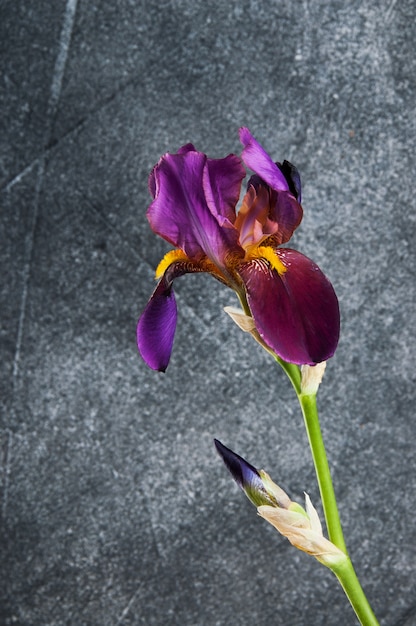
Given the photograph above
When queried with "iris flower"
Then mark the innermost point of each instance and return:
(293, 305)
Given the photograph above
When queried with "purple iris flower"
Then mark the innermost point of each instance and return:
(293, 305)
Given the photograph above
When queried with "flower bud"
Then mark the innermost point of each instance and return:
(301, 526)
(247, 477)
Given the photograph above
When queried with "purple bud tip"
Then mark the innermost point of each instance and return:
(245, 475)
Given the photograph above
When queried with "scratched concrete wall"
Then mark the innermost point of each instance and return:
(115, 508)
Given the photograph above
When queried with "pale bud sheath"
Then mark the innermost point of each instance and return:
(311, 378)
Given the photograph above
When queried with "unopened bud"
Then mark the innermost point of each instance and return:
(301, 526)
(247, 477)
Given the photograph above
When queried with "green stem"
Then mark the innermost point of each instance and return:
(347, 577)
(326, 488)
(344, 569)
(293, 373)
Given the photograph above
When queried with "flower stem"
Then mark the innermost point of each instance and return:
(326, 488)
(343, 570)
(347, 577)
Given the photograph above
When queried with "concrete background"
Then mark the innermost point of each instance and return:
(116, 510)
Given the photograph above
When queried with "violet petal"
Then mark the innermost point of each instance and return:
(180, 212)
(188, 147)
(222, 183)
(156, 327)
(257, 159)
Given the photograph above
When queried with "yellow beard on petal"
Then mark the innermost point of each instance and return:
(190, 265)
(170, 257)
(267, 253)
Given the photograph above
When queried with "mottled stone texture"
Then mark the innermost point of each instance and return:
(116, 510)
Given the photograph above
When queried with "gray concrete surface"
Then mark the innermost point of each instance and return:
(116, 510)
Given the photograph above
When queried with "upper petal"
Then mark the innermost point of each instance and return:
(266, 212)
(292, 176)
(222, 184)
(257, 159)
(253, 222)
(180, 212)
(296, 311)
(188, 147)
(286, 211)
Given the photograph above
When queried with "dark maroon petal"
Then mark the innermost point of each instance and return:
(222, 184)
(296, 313)
(257, 159)
(156, 327)
(180, 213)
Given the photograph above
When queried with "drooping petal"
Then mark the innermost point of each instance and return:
(222, 184)
(180, 213)
(295, 310)
(257, 159)
(157, 324)
(156, 327)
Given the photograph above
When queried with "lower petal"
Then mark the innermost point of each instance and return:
(157, 324)
(296, 312)
(156, 327)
